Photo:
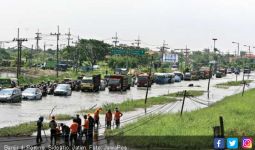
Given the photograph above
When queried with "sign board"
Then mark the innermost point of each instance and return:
(136, 52)
(168, 57)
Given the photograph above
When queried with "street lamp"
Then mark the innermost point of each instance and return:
(215, 57)
(237, 47)
(249, 48)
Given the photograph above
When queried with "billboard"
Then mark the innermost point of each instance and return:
(168, 57)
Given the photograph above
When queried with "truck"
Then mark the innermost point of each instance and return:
(91, 83)
(204, 73)
(143, 80)
(195, 75)
(118, 83)
(7, 83)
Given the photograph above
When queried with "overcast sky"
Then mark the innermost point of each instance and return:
(178, 22)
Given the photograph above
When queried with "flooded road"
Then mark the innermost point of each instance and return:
(12, 114)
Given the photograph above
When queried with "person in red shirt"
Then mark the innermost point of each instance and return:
(117, 116)
(108, 119)
(74, 129)
(96, 116)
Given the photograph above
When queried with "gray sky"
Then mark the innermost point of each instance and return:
(179, 22)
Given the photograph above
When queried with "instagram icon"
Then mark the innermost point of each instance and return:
(247, 143)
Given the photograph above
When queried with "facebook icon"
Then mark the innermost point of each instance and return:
(219, 143)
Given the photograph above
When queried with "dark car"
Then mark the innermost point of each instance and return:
(187, 76)
(10, 95)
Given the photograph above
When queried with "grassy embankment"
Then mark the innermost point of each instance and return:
(24, 129)
(193, 129)
(129, 105)
(226, 85)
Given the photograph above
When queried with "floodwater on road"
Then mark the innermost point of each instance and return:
(12, 114)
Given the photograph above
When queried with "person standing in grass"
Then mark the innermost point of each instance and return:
(117, 116)
(96, 116)
(108, 119)
(39, 130)
(65, 132)
(86, 126)
(74, 130)
(78, 119)
(53, 130)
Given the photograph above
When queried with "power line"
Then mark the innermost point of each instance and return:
(19, 43)
(115, 39)
(37, 38)
(57, 34)
(138, 42)
(163, 49)
(68, 37)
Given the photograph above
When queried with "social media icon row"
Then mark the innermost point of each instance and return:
(232, 143)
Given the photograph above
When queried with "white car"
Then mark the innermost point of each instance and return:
(32, 94)
(63, 89)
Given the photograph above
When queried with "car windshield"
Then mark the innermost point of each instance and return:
(29, 90)
(114, 81)
(61, 87)
(6, 92)
(87, 81)
(142, 78)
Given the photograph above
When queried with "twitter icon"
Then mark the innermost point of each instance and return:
(232, 143)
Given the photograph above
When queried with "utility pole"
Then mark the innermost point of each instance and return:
(57, 34)
(138, 42)
(215, 56)
(186, 56)
(37, 38)
(19, 42)
(68, 37)
(77, 55)
(186, 52)
(31, 55)
(183, 101)
(163, 50)
(115, 39)
(148, 82)
(210, 76)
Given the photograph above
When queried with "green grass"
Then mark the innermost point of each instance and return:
(238, 113)
(63, 117)
(226, 85)
(131, 105)
(24, 129)
(190, 93)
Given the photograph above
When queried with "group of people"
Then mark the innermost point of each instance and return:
(76, 130)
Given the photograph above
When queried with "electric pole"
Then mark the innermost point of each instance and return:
(185, 52)
(138, 42)
(68, 37)
(19, 42)
(115, 39)
(163, 50)
(31, 56)
(57, 34)
(37, 38)
(77, 55)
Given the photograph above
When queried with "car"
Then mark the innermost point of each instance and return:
(103, 85)
(218, 74)
(63, 89)
(229, 71)
(187, 76)
(179, 74)
(177, 78)
(10, 95)
(32, 94)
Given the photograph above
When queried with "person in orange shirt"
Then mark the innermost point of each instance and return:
(117, 116)
(74, 129)
(86, 126)
(96, 116)
(108, 119)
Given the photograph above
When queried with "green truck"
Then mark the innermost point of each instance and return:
(6, 83)
(91, 83)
